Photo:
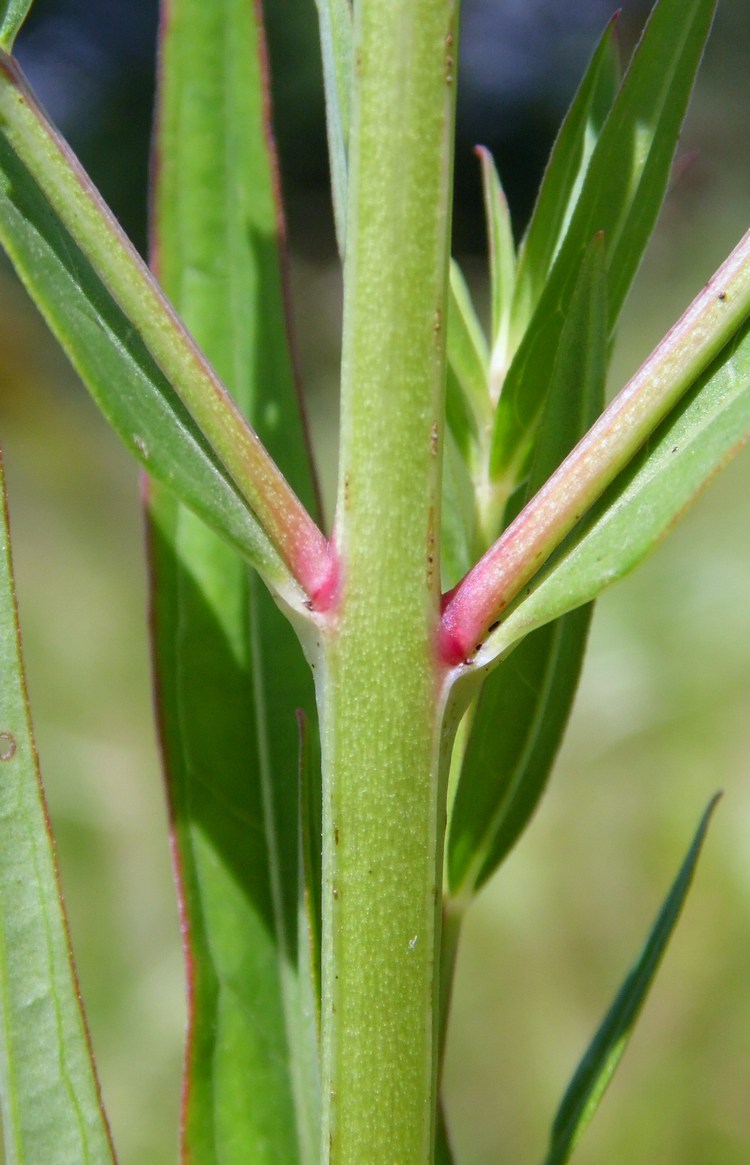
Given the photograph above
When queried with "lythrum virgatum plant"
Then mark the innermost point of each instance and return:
(485, 498)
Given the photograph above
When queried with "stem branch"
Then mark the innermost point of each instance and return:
(471, 608)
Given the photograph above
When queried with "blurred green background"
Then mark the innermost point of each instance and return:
(663, 715)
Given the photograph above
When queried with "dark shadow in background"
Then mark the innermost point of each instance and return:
(93, 68)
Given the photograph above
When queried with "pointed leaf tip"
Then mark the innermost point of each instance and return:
(12, 15)
(600, 1061)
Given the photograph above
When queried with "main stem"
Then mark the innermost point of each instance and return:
(381, 683)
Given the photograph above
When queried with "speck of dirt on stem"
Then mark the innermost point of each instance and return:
(7, 746)
(141, 446)
(449, 59)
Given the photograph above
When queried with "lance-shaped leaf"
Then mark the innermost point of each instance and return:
(563, 179)
(469, 418)
(468, 405)
(502, 253)
(700, 436)
(12, 15)
(621, 194)
(523, 707)
(49, 1094)
(605, 1050)
(230, 675)
(335, 20)
(143, 369)
(443, 1152)
(459, 518)
(712, 330)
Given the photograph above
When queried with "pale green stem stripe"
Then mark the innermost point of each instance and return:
(379, 683)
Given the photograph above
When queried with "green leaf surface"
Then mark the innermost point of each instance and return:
(708, 426)
(605, 1050)
(106, 352)
(502, 252)
(49, 1094)
(12, 15)
(621, 195)
(563, 179)
(522, 710)
(143, 369)
(468, 406)
(469, 417)
(230, 673)
(335, 20)
(443, 1152)
(458, 533)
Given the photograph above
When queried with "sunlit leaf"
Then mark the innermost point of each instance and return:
(622, 192)
(605, 1050)
(141, 366)
(468, 398)
(230, 674)
(12, 15)
(335, 19)
(563, 178)
(458, 535)
(49, 1094)
(522, 710)
(703, 432)
(502, 252)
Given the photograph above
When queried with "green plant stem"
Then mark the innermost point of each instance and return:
(676, 363)
(380, 682)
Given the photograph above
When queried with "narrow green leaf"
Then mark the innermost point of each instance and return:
(230, 673)
(142, 367)
(468, 405)
(502, 252)
(49, 1094)
(469, 417)
(563, 179)
(518, 725)
(458, 533)
(524, 705)
(12, 15)
(605, 1050)
(713, 324)
(335, 20)
(106, 352)
(443, 1152)
(700, 436)
(621, 195)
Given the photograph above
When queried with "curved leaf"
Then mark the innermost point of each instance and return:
(12, 15)
(605, 1050)
(49, 1094)
(502, 252)
(701, 434)
(523, 708)
(468, 404)
(335, 20)
(621, 194)
(143, 369)
(707, 333)
(228, 666)
(563, 178)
